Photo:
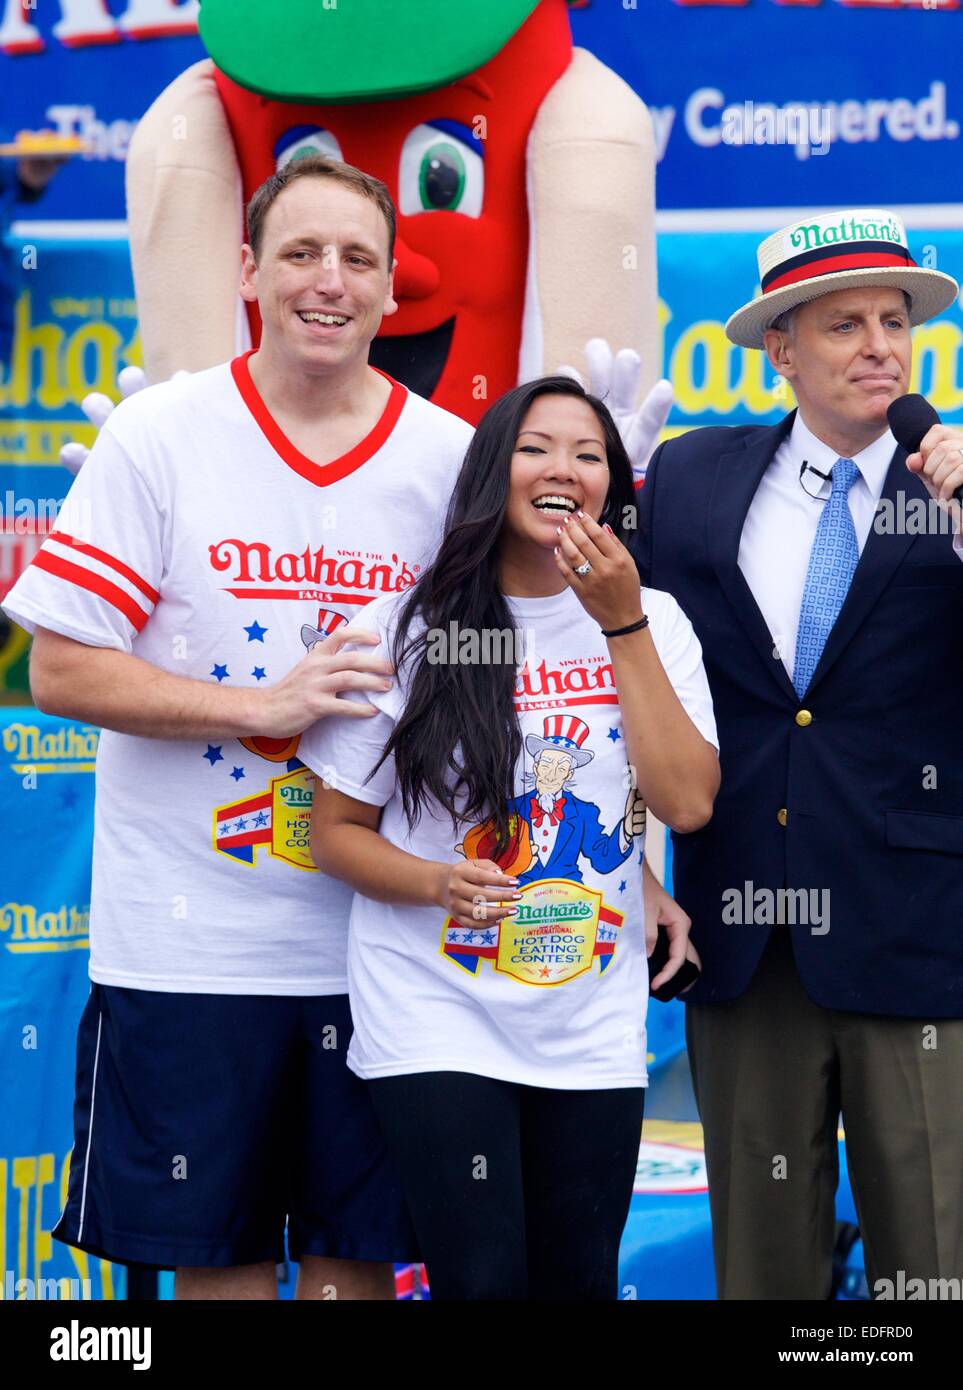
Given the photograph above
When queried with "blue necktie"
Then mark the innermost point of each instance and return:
(832, 562)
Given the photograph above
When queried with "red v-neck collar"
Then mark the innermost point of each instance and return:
(321, 474)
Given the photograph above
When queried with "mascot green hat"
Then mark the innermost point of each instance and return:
(354, 50)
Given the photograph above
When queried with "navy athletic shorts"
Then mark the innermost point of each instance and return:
(205, 1123)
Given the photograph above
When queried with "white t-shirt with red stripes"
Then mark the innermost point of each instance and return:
(556, 997)
(197, 537)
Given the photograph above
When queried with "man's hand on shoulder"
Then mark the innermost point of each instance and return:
(311, 689)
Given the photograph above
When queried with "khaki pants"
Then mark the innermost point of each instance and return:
(772, 1071)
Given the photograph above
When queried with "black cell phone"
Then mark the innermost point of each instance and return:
(687, 973)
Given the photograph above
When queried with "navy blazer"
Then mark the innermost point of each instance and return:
(870, 790)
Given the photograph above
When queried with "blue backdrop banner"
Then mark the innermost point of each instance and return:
(46, 809)
(756, 103)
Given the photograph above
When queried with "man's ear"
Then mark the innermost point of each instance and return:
(248, 286)
(391, 304)
(778, 350)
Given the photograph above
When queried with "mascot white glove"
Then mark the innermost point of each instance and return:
(614, 379)
(98, 408)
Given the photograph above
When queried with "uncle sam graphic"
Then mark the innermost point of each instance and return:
(563, 828)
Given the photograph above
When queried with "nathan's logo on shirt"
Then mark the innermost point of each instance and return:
(27, 929)
(576, 681)
(336, 575)
(560, 929)
(36, 749)
(278, 818)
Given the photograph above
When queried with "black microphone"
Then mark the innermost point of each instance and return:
(827, 477)
(806, 467)
(910, 417)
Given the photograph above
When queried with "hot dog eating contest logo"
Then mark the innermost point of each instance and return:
(562, 926)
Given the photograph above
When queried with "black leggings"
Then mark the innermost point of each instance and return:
(516, 1192)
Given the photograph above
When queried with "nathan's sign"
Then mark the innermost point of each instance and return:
(83, 23)
(27, 927)
(63, 748)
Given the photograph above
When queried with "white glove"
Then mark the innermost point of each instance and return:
(615, 380)
(98, 407)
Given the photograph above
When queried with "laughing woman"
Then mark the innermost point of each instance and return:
(490, 816)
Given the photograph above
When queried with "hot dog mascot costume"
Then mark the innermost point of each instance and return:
(522, 169)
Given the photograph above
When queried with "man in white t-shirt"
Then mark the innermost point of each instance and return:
(193, 602)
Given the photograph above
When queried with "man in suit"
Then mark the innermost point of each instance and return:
(827, 891)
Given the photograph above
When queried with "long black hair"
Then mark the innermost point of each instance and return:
(458, 740)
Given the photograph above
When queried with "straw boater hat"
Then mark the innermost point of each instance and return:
(834, 251)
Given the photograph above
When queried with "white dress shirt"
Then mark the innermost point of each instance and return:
(781, 522)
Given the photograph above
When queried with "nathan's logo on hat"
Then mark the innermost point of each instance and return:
(830, 231)
(834, 251)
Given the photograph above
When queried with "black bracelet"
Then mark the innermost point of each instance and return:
(632, 627)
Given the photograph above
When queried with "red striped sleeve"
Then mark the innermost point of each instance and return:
(105, 558)
(95, 583)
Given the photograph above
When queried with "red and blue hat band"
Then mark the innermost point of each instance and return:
(827, 260)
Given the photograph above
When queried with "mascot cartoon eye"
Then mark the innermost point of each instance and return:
(305, 139)
(442, 170)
